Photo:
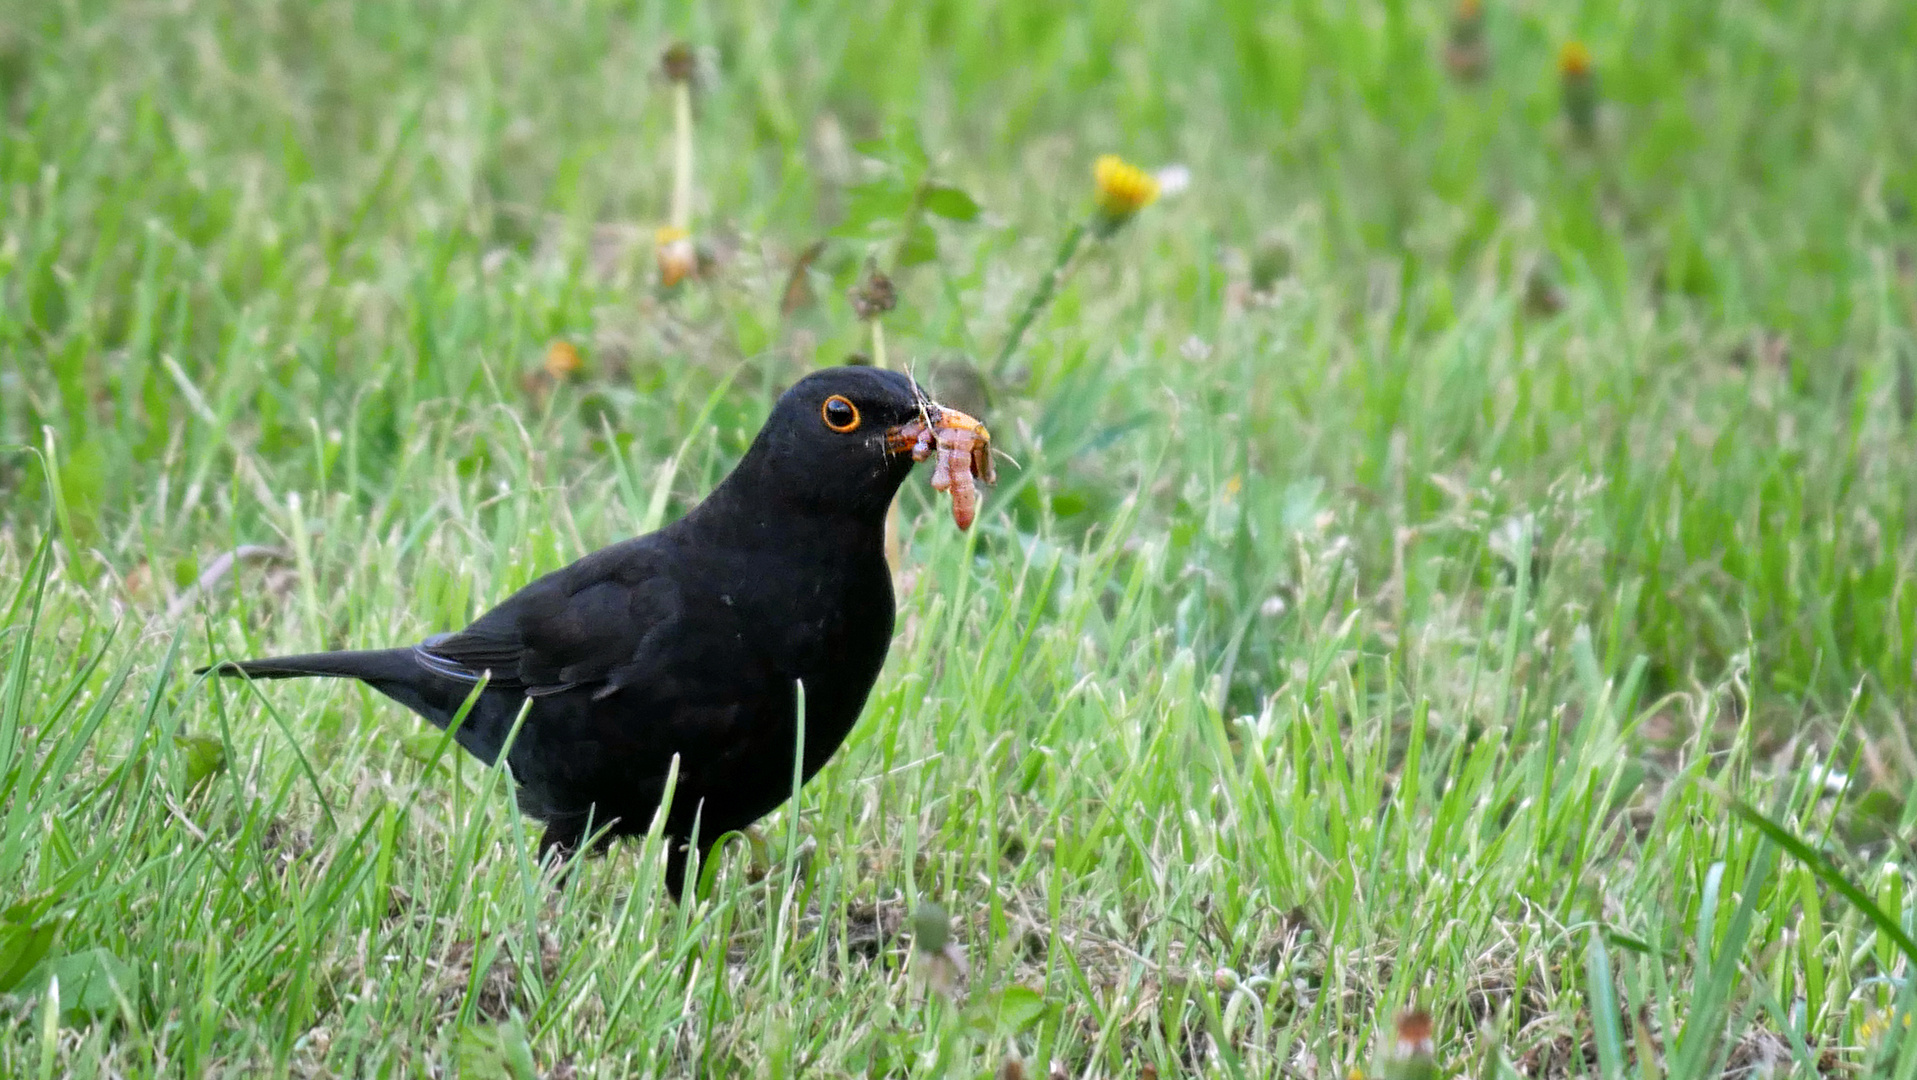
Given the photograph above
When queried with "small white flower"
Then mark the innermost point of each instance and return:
(1833, 781)
(1513, 535)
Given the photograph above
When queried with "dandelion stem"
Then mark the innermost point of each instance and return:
(682, 156)
(1047, 288)
(909, 224)
(893, 553)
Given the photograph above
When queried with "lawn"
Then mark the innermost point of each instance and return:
(1457, 557)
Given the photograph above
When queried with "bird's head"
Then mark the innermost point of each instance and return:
(842, 440)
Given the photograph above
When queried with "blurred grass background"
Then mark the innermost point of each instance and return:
(1506, 483)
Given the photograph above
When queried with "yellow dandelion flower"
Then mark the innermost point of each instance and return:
(1574, 60)
(1580, 90)
(563, 360)
(673, 248)
(1877, 1026)
(1872, 1026)
(1122, 189)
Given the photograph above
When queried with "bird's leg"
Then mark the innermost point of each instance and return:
(678, 861)
(556, 848)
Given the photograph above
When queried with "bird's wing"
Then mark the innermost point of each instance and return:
(600, 622)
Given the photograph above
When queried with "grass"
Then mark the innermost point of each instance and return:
(1398, 633)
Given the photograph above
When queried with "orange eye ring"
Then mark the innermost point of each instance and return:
(840, 414)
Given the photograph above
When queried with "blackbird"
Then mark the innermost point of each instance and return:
(688, 641)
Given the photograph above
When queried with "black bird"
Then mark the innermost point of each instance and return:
(688, 640)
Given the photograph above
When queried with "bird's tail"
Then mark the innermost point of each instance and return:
(372, 665)
(398, 674)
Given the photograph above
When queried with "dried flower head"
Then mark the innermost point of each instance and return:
(1409, 1056)
(679, 63)
(563, 360)
(931, 928)
(1121, 188)
(1465, 53)
(675, 253)
(1271, 263)
(943, 960)
(874, 295)
(1542, 297)
(1414, 1033)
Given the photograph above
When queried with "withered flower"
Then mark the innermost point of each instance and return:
(874, 295)
(1410, 1054)
(679, 63)
(944, 962)
(677, 258)
(1465, 53)
(675, 254)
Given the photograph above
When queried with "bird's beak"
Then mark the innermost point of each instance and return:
(914, 437)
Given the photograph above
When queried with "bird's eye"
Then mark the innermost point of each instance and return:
(840, 415)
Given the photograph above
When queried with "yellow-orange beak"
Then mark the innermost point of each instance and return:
(914, 436)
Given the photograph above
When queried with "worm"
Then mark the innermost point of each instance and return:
(963, 454)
